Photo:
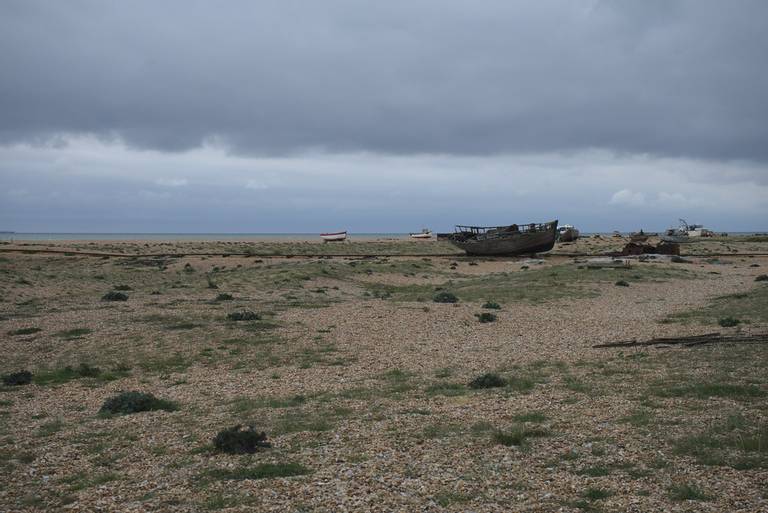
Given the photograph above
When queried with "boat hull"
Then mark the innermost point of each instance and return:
(333, 237)
(507, 244)
(421, 235)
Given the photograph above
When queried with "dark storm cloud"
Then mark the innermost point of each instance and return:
(670, 78)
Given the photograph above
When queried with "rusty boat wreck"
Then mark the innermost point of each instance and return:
(505, 240)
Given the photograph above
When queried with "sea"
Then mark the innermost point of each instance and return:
(13, 236)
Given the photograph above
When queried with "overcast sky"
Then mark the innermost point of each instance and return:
(247, 116)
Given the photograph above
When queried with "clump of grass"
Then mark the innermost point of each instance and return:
(50, 428)
(447, 389)
(445, 297)
(596, 494)
(687, 492)
(18, 378)
(122, 287)
(533, 416)
(224, 297)
(25, 331)
(74, 333)
(211, 284)
(135, 402)
(84, 370)
(488, 380)
(728, 322)
(486, 317)
(622, 283)
(762, 277)
(260, 471)
(240, 440)
(517, 436)
(492, 305)
(114, 296)
(244, 315)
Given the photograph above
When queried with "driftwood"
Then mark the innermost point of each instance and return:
(695, 340)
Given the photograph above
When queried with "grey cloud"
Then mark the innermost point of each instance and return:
(668, 78)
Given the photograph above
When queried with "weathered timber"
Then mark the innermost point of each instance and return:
(695, 340)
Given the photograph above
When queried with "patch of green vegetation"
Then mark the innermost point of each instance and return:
(49, 428)
(244, 315)
(320, 354)
(737, 442)
(639, 418)
(183, 326)
(597, 471)
(441, 429)
(492, 305)
(488, 380)
(447, 389)
(397, 376)
(25, 331)
(163, 365)
(127, 403)
(84, 370)
(307, 421)
(531, 416)
(518, 435)
(486, 317)
(240, 439)
(751, 305)
(687, 492)
(709, 389)
(114, 296)
(217, 501)
(596, 494)
(246, 405)
(563, 281)
(574, 384)
(445, 297)
(74, 333)
(83, 480)
(728, 322)
(260, 471)
(448, 498)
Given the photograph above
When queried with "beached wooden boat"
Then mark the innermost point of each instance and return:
(425, 233)
(567, 233)
(334, 237)
(505, 240)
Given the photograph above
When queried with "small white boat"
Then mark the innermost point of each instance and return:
(425, 233)
(334, 237)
